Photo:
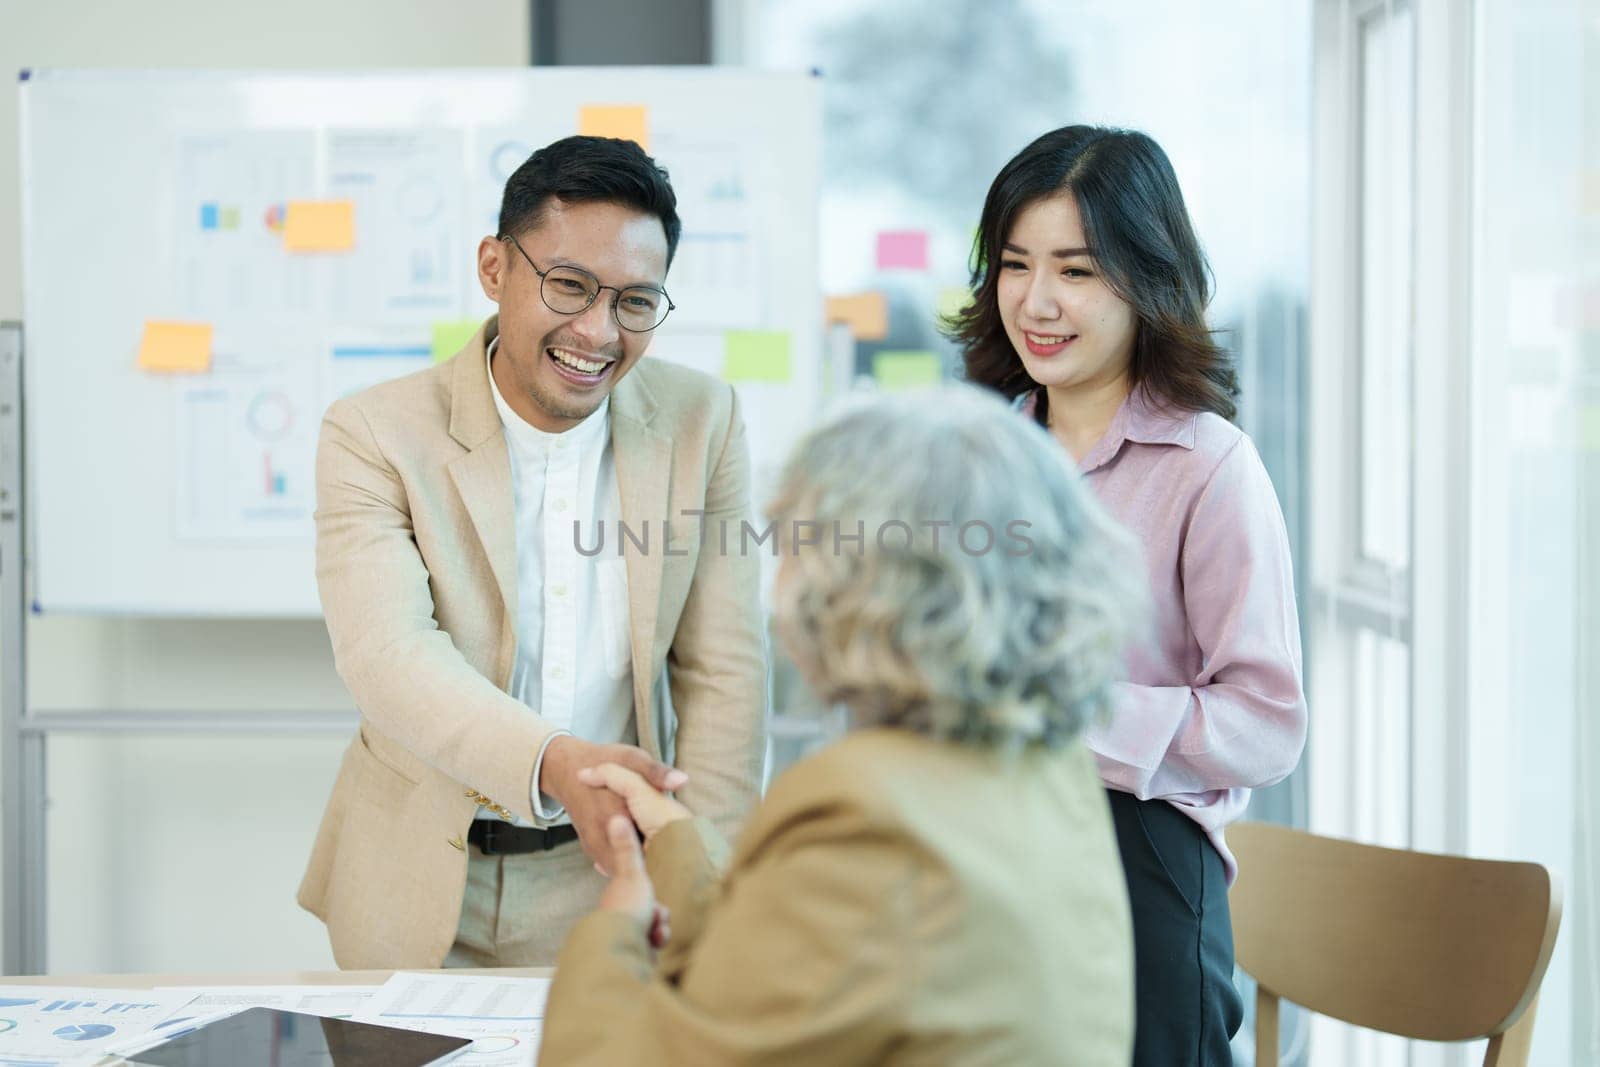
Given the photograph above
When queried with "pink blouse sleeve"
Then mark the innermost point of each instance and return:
(1241, 721)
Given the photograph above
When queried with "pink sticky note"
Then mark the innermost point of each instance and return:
(905, 249)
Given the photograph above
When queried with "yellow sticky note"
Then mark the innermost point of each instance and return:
(952, 300)
(867, 315)
(755, 356)
(182, 347)
(631, 122)
(319, 226)
(452, 336)
(906, 370)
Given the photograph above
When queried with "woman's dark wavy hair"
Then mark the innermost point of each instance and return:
(1140, 236)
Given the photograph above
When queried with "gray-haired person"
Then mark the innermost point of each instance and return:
(941, 884)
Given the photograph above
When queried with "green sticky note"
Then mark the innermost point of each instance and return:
(952, 300)
(451, 337)
(755, 356)
(906, 370)
(1591, 427)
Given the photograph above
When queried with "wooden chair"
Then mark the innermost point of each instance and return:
(1437, 948)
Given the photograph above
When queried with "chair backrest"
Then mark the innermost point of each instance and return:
(1438, 948)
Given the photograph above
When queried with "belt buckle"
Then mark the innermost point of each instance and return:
(491, 830)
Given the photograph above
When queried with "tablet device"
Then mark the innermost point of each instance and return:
(267, 1037)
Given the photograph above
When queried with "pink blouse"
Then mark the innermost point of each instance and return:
(1213, 705)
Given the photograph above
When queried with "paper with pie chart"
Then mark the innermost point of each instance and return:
(247, 437)
(411, 253)
(503, 1016)
(44, 1026)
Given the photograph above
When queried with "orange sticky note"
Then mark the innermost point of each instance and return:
(182, 347)
(319, 226)
(867, 315)
(631, 122)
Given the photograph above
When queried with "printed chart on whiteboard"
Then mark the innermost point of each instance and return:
(391, 250)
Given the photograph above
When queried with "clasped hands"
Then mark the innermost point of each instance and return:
(608, 791)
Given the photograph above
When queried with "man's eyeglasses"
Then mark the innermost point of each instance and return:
(571, 291)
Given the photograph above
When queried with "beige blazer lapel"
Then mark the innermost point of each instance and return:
(483, 475)
(643, 457)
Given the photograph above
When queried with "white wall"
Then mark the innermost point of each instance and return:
(183, 853)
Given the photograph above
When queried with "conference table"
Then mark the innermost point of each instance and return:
(273, 978)
(230, 983)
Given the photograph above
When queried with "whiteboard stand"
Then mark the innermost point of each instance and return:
(21, 751)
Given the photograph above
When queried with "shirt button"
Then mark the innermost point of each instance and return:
(561, 442)
(557, 672)
(561, 505)
(559, 590)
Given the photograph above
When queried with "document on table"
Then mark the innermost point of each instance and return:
(47, 1026)
(503, 1016)
(328, 1001)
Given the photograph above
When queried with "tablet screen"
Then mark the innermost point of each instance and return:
(266, 1037)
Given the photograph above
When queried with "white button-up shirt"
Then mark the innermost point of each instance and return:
(572, 664)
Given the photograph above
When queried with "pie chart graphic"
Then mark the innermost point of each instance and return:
(488, 1046)
(85, 1032)
(419, 199)
(270, 416)
(506, 158)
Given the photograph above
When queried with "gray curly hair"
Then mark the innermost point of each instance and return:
(949, 573)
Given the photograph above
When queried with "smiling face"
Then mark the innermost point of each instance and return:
(1068, 326)
(554, 369)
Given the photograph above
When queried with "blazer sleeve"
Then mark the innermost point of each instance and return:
(805, 959)
(405, 674)
(686, 860)
(717, 663)
(1241, 721)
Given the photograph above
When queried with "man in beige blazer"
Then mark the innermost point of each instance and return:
(492, 651)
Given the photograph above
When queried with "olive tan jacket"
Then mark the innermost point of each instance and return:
(894, 900)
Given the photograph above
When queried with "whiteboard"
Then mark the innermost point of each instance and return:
(157, 196)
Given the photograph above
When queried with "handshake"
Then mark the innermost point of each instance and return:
(616, 794)
(598, 783)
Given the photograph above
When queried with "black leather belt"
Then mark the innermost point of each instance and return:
(496, 838)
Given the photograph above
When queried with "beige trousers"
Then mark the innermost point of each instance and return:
(519, 909)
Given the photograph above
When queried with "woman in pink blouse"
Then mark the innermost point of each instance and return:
(1090, 291)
